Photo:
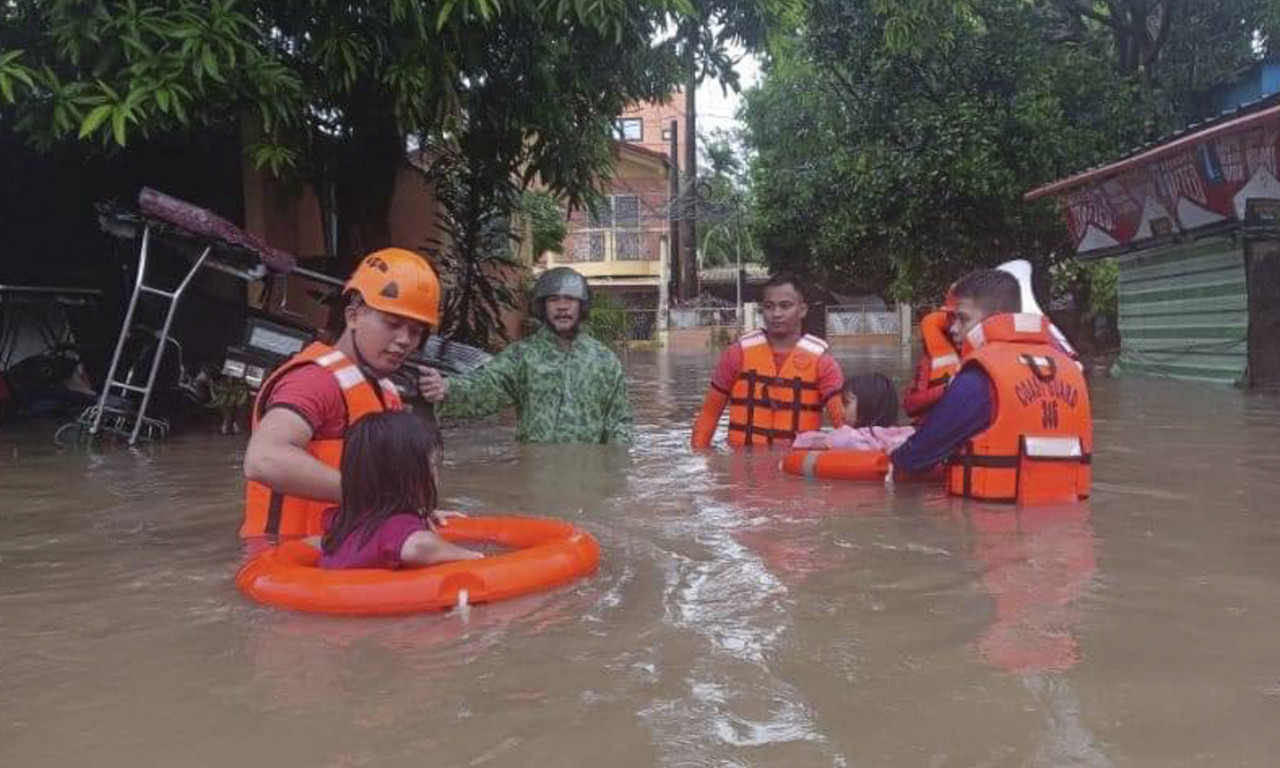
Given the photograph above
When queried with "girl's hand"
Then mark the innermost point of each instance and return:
(440, 517)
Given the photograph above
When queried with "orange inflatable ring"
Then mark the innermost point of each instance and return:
(547, 554)
(838, 464)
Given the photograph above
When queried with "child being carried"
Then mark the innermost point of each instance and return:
(870, 414)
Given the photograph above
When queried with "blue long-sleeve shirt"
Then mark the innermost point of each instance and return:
(963, 411)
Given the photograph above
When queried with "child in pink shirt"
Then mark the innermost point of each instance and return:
(388, 516)
(870, 413)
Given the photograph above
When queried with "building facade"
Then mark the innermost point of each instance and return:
(1193, 224)
(621, 246)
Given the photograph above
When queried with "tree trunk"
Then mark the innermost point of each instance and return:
(367, 167)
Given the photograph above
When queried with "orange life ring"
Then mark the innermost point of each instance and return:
(548, 553)
(838, 464)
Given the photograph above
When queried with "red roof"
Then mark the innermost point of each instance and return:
(626, 146)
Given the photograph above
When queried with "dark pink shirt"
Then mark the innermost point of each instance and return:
(382, 550)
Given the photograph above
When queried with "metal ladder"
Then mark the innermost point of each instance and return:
(134, 423)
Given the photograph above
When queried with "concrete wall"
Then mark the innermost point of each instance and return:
(1184, 311)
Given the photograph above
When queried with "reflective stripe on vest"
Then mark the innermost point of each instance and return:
(1039, 445)
(268, 512)
(768, 403)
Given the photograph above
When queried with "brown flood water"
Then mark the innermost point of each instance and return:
(740, 617)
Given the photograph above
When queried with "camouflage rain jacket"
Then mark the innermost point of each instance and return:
(574, 394)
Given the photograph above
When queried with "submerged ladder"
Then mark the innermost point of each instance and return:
(132, 421)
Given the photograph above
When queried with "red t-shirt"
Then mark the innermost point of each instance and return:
(313, 393)
(381, 550)
(830, 377)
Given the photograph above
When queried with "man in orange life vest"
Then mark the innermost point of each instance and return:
(778, 381)
(305, 408)
(1014, 424)
(938, 365)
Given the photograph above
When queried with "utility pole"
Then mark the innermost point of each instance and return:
(689, 201)
(737, 247)
(674, 273)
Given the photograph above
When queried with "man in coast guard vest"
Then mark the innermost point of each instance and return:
(777, 381)
(304, 409)
(1014, 424)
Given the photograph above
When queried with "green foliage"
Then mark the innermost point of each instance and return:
(227, 395)
(608, 319)
(474, 259)
(1092, 285)
(1176, 52)
(891, 153)
(724, 215)
(1104, 281)
(12, 74)
(546, 221)
(330, 90)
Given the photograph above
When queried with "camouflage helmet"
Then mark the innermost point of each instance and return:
(561, 281)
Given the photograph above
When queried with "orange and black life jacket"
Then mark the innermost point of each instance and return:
(769, 403)
(270, 513)
(1039, 446)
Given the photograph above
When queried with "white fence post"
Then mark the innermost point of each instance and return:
(904, 324)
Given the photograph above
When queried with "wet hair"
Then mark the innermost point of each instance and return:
(994, 292)
(386, 470)
(786, 278)
(877, 399)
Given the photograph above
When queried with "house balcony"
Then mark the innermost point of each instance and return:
(619, 256)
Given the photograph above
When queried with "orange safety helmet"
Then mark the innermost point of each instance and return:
(398, 282)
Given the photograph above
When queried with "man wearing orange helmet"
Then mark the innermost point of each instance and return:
(304, 409)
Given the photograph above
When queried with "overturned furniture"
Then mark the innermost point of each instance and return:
(205, 241)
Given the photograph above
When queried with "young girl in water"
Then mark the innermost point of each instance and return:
(388, 512)
(870, 415)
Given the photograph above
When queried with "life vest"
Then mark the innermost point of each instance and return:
(270, 513)
(937, 368)
(768, 404)
(1039, 446)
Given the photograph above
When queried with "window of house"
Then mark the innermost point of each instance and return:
(630, 246)
(602, 216)
(629, 128)
(587, 246)
(626, 211)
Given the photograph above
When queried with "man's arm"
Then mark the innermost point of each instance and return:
(963, 411)
(486, 391)
(618, 426)
(704, 427)
(831, 389)
(277, 457)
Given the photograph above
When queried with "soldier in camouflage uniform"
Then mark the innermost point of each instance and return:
(566, 386)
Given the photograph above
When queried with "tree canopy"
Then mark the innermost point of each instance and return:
(893, 141)
(330, 90)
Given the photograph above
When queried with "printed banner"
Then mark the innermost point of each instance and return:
(1206, 184)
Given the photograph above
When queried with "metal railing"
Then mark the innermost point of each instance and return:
(862, 320)
(704, 317)
(608, 244)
